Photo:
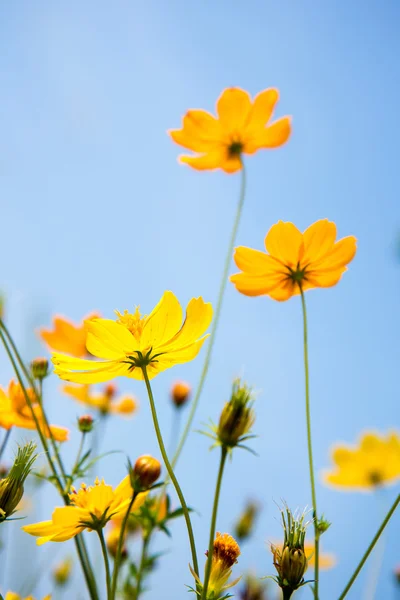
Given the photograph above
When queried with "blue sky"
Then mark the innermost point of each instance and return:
(97, 214)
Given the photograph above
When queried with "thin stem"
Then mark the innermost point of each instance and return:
(143, 558)
(378, 556)
(106, 563)
(14, 348)
(50, 433)
(117, 561)
(309, 444)
(370, 548)
(287, 593)
(80, 543)
(5, 441)
(213, 522)
(171, 472)
(217, 314)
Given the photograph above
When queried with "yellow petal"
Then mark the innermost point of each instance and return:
(262, 109)
(274, 135)
(108, 339)
(318, 240)
(285, 243)
(181, 355)
(85, 371)
(231, 164)
(255, 261)
(256, 285)
(341, 254)
(163, 322)
(198, 318)
(283, 292)
(325, 279)
(233, 108)
(200, 131)
(212, 160)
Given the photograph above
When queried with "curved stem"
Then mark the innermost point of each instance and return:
(213, 522)
(117, 561)
(171, 472)
(217, 314)
(5, 441)
(146, 540)
(370, 547)
(309, 444)
(106, 563)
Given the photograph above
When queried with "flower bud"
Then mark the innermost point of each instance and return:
(253, 589)
(397, 574)
(62, 572)
(245, 524)
(226, 551)
(12, 486)
(180, 393)
(145, 472)
(40, 368)
(85, 423)
(237, 416)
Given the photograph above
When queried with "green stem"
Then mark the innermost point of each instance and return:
(217, 314)
(370, 547)
(287, 593)
(118, 555)
(171, 472)
(80, 543)
(14, 348)
(309, 444)
(106, 563)
(5, 441)
(213, 522)
(51, 436)
(146, 540)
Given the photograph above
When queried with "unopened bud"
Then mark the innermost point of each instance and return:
(40, 368)
(245, 524)
(146, 471)
(237, 416)
(12, 486)
(180, 393)
(85, 423)
(110, 390)
(322, 525)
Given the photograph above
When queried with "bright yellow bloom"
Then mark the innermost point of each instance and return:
(91, 508)
(375, 462)
(14, 596)
(105, 402)
(311, 259)
(66, 336)
(158, 341)
(242, 127)
(14, 412)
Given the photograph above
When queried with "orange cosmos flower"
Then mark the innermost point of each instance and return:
(242, 127)
(14, 412)
(294, 261)
(105, 402)
(66, 336)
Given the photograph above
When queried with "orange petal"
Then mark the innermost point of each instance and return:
(233, 108)
(212, 160)
(262, 109)
(199, 133)
(318, 240)
(273, 136)
(255, 261)
(341, 254)
(285, 243)
(325, 279)
(256, 285)
(232, 165)
(283, 292)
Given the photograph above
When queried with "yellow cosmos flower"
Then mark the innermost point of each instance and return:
(14, 412)
(308, 260)
(373, 463)
(105, 402)
(66, 336)
(242, 127)
(158, 341)
(14, 596)
(91, 508)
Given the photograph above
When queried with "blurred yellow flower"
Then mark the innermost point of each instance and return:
(375, 462)
(242, 127)
(62, 571)
(326, 559)
(105, 402)
(14, 596)
(66, 336)
(91, 508)
(158, 341)
(14, 412)
(311, 259)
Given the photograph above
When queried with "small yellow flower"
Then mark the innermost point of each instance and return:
(62, 571)
(14, 596)
(242, 127)
(158, 341)
(375, 462)
(14, 412)
(91, 508)
(66, 336)
(105, 402)
(225, 555)
(308, 260)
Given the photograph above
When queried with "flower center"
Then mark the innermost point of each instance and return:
(235, 149)
(133, 322)
(375, 478)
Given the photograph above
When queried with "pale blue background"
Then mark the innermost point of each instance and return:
(97, 214)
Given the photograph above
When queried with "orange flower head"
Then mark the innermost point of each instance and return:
(180, 393)
(241, 127)
(66, 336)
(15, 412)
(295, 261)
(105, 401)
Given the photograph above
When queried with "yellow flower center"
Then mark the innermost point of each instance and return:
(133, 322)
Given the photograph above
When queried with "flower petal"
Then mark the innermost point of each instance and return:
(214, 159)
(197, 321)
(262, 109)
(341, 254)
(273, 136)
(318, 240)
(200, 131)
(285, 243)
(325, 279)
(163, 323)
(251, 284)
(108, 339)
(79, 370)
(255, 261)
(233, 108)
